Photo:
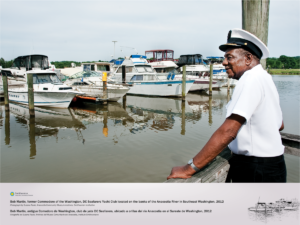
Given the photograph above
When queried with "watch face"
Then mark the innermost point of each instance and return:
(190, 162)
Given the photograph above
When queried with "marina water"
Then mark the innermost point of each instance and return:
(137, 140)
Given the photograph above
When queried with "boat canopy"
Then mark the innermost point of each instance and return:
(160, 55)
(30, 62)
(194, 59)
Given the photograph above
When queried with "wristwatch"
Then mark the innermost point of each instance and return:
(193, 165)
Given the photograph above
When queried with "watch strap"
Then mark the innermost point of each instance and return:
(193, 165)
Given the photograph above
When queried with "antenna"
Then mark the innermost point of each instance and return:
(114, 46)
(129, 47)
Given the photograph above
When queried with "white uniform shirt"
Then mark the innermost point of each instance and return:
(255, 98)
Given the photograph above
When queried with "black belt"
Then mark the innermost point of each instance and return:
(257, 159)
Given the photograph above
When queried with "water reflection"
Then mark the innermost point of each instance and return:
(32, 138)
(7, 127)
(47, 122)
(182, 118)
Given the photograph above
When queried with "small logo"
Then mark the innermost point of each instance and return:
(12, 193)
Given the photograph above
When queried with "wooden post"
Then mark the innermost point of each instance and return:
(210, 111)
(30, 94)
(182, 118)
(32, 138)
(104, 80)
(105, 129)
(210, 79)
(7, 127)
(255, 19)
(124, 102)
(183, 82)
(123, 74)
(5, 90)
(228, 85)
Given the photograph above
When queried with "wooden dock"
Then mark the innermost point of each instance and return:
(217, 170)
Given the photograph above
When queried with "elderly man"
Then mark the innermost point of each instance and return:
(253, 118)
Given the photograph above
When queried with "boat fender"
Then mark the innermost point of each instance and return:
(173, 76)
(169, 76)
(74, 99)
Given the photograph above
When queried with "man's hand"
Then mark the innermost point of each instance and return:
(183, 172)
(218, 141)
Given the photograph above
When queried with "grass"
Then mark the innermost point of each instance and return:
(285, 71)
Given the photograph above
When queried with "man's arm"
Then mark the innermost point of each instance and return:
(218, 141)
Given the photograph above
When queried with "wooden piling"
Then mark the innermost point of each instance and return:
(7, 127)
(228, 85)
(124, 102)
(5, 90)
(30, 95)
(105, 94)
(32, 138)
(210, 111)
(210, 79)
(255, 19)
(183, 82)
(123, 74)
(182, 118)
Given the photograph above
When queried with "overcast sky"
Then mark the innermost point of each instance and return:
(84, 30)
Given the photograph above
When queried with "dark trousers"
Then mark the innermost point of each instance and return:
(251, 169)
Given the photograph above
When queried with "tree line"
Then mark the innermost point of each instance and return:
(58, 64)
(284, 62)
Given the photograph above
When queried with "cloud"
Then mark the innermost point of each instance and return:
(84, 30)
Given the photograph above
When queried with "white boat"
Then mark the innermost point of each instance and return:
(48, 91)
(144, 79)
(11, 82)
(197, 69)
(90, 82)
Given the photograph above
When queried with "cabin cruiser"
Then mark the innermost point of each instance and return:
(168, 68)
(145, 81)
(163, 63)
(16, 73)
(90, 82)
(197, 69)
(47, 89)
(195, 66)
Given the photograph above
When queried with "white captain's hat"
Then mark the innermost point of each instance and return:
(238, 38)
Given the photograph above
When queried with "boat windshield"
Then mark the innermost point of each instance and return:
(144, 68)
(85, 74)
(46, 78)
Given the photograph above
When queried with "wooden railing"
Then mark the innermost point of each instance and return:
(217, 170)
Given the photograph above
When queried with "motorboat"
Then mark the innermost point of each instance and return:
(197, 69)
(47, 89)
(165, 67)
(90, 82)
(145, 81)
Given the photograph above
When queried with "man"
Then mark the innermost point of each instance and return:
(253, 118)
